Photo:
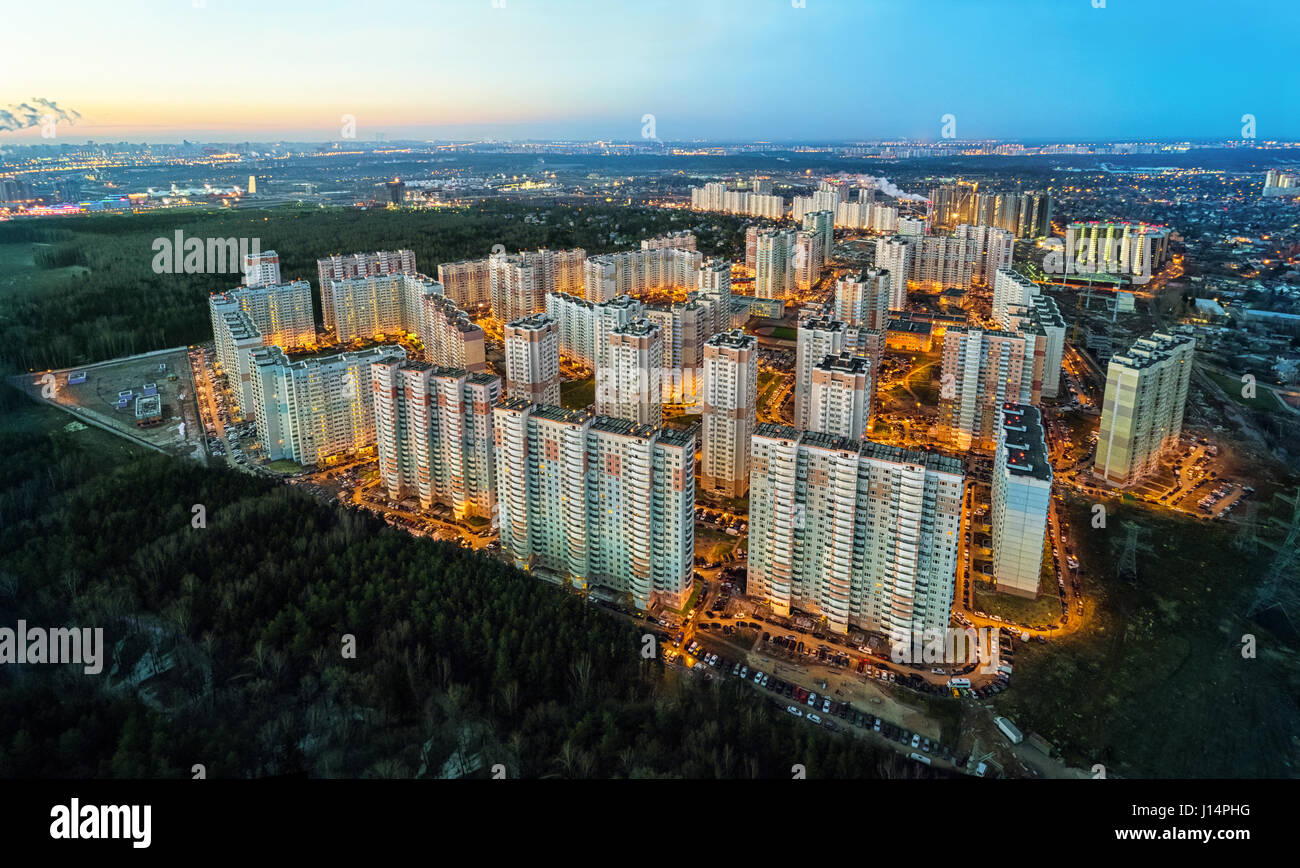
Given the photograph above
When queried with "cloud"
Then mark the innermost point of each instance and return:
(33, 112)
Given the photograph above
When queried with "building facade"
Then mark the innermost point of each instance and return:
(1022, 497)
(730, 406)
(1142, 411)
(532, 346)
(858, 533)
(595, 501)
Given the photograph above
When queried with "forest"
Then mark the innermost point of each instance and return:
(93, 293)
(228, 643)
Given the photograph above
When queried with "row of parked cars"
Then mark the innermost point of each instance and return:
(816, 708)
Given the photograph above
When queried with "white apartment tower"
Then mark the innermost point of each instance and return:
(774, 263)
(377, 305)
(730, 398)
(319, 408)
(1022, 497)
(863, 299)
(894, 255)
(841, 396)
(983, 370)
(859, 533)
(433, 433)
(261, 268)
(596, 501)
(1142, 412)
(629, 386)
(339, 267)
(532, 346)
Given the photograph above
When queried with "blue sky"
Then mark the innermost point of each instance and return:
(716, 69)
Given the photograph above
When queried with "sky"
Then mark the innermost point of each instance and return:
(722, 70)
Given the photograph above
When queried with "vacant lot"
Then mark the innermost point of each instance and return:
(1158, 682)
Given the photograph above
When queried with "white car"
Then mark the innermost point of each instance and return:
(814, 718)
(758, 677)
(795, 711)
(916, 740)
(744, 672)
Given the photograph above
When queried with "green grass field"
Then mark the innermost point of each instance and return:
(1264, 399)
(578, 394)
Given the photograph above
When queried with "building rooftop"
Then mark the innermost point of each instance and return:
(865, 448)
(532, 321)
(735, 339)
(845, 363)
(1023, 445)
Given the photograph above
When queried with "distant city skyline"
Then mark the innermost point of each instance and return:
(718, 70)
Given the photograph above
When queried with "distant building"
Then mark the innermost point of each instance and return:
(313, 410)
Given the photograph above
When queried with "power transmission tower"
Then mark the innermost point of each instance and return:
(1247, 539)
(1278, 589)
(1128, 556)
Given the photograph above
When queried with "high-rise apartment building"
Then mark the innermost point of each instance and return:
(377, 305)
(1132, 250)
(468, 283)
(774, 263)
(823, 223)
(520, 282)
(841, 396)
(1022, 497)
(1011, 289)
(433, 433)
(818, 337)
(649, 269)
(863, 299)
(262, 268)
(315, 409)
(730, 399)
(451, 339)
(339, 267)
(630, 385)
(585, 325)
(282, 313)
(686, 327)
(532, 345)
(859, 533)
(596, 501)
(983, 370)
(235, 338)
(1142, 411)
(894, 255)
(683, 239)
(808, 257)
(1043, 319)
(716, 197)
